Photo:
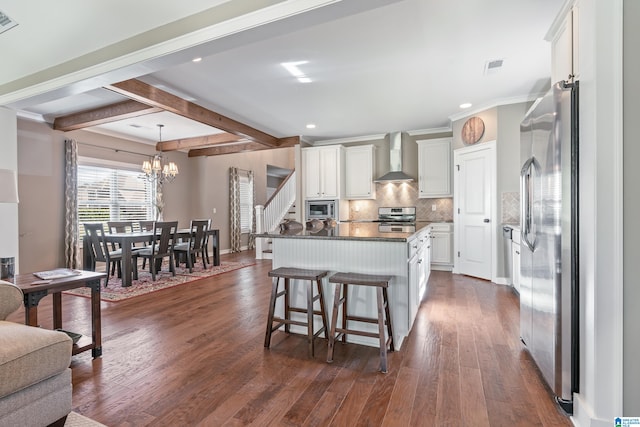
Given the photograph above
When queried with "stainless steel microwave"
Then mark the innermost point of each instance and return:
(321, 209)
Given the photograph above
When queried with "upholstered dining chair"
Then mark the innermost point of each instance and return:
(194, 245)
(94, 233)
(118, 227)
(161, 247)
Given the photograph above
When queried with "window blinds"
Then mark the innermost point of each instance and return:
(109, 194)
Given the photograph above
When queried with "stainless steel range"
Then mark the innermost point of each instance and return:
(397, 220)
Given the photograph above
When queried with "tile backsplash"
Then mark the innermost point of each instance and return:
(402, 194)
(511, 207)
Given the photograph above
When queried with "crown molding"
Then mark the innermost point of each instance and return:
(34, 117)
(362, 138)
(493, 104)
(418, 132)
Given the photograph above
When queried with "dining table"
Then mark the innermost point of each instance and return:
(126, 242)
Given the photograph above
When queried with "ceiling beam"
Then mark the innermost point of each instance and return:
(198, 141)
(241, 147)
(289, 141)
(227, 149)
(98, 116)
(148, 94)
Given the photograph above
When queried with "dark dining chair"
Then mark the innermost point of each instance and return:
(118, 227)
(145, 226)
(194, 245)
(206, 241)
(161, 247)
(94, 233)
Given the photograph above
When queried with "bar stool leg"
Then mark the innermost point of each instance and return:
(383, 341)
(334, 320)
(287, 305)
(388, 317)
(345, 295)
(310, 317)
(322, 309)
(272, 306)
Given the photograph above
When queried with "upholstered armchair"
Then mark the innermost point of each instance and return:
(35, 379)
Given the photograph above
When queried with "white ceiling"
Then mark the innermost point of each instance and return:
(376, 66)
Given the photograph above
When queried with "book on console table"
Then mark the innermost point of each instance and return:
(57, 273)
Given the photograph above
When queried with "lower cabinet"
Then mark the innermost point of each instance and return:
(419, 266)
(442, 242)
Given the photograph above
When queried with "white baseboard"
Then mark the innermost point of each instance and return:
(502, 281)
(442, 267)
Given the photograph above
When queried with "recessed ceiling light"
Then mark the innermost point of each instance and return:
(292, 67)
(465, 105)
(198, 59)
(311, 126)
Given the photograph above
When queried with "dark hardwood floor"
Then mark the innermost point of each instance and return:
(193, 355)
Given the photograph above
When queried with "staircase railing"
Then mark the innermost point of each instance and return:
(269, 216)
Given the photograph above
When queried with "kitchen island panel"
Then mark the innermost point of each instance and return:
(354, 256)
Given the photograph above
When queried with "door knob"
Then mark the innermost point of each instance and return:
(486, 220)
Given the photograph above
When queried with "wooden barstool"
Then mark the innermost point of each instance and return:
(381, 283)
(297, 274)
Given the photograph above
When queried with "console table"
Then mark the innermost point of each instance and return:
(33, 293)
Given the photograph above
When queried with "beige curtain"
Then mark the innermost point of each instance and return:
(252, 232)
(235, 213)
(71, 204)
(234, 209)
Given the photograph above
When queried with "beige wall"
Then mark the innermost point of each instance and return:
(202, 185)
(502, 124)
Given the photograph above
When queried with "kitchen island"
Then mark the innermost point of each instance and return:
(360, 248)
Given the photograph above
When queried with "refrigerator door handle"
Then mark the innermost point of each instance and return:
(525, 202)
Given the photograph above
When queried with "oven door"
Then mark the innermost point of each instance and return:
(320, 209)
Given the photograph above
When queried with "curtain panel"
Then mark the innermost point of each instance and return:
(234, 209)
(252, 232)
(236, 205)
(71, 204)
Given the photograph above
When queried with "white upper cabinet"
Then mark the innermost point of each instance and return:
(563, 36)
(358, 164)
(434, 168)
(322, 170)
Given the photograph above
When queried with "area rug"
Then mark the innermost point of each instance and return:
(114, 291)
(76, 420)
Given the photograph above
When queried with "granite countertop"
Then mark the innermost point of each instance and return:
(348, 231)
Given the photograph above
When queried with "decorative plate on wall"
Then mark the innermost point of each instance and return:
(472, 130)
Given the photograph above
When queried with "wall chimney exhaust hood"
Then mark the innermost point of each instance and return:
(395, 173)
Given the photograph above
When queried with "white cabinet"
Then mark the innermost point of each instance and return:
(515, 257)
(419, 266)
(564, 45)
(358, 172)
(442, 246)
(322, 172)
(434, 168)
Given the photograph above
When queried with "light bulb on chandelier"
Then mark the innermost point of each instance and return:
(156, 170)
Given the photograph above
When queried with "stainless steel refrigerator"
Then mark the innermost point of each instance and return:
(549, 249)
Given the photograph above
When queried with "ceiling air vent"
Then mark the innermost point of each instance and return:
(493, 66)
(6, 23)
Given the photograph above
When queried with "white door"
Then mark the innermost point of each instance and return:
(474, 195)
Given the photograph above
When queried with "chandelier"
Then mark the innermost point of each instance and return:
(157, 169)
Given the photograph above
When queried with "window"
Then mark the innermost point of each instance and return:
(108, 193)
(246, 203)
